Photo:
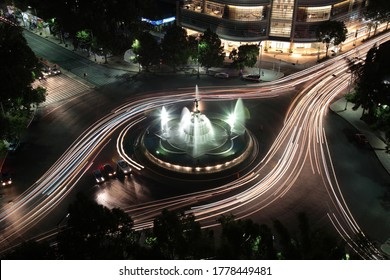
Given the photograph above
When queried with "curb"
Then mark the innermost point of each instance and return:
(378, 153)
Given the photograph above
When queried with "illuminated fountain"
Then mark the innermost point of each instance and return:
(195, 143)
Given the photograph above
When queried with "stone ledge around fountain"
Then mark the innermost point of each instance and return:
(161, 172)
(194, 145)
(222, 158)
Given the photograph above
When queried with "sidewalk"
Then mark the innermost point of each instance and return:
(114, 62)
(273, 72)
(375, 139)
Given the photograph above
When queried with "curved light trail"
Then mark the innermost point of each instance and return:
(301, 143)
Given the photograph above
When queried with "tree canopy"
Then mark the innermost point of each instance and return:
(372, 90)
(376, 12)
(331, 32)
(96, 232)
(210, 50)
(174, 47)
(146, 50)
(245, 56)
(17, 68)
(114, 24)
(179, 236)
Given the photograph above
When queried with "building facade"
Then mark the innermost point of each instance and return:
(278, 24)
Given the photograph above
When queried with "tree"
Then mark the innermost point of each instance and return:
(244, 239)
(210, 50)
(174, 47)
(84, 38)
(246, 56)
(96, 232)
(120, 18)
(331, 32)
(372, 89)
(288, 246)
(179, 236)
(63, 15)
(193, 46)
(146, 50)
(31, 250)
(18, 63)
(376, 12)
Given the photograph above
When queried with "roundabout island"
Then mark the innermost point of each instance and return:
(193, 142)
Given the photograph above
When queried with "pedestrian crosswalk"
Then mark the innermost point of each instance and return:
(60, 88)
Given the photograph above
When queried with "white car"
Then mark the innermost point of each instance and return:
(222, 75)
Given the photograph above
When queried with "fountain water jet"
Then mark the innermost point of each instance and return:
(238, 117)
(193, 142)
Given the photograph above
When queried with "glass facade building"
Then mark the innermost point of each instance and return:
(279, 23)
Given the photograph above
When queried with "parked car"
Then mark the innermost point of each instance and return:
(55, 70)
(97, 174)
(5, 179)
(13, 145)
(251, 77)
(361, 139)
(108, 171)
(222, 75)
(123, 167)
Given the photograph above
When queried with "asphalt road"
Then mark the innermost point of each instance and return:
(58, 126)
(97, 75)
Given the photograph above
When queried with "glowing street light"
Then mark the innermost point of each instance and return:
(260, 52)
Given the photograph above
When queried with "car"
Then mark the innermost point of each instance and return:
(108, 171)
(97, 174)
(361, 139)
(55, 70)
(222, 75)
(123, 167)
(5, 179)
(13, 145)
(251, 77)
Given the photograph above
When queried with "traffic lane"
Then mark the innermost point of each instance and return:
(84, 68)
(50, 135)
(57, 126)
(268, 110)
(363, 180)
(55, 53)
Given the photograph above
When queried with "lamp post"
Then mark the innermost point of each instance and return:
(354, 40)
(197, 57)
(260, 51)
(2, 108)
(318, 53)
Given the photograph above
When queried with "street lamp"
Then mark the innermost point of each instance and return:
(260, 52)
(318, 53)
(197, 57)
(354, 40)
